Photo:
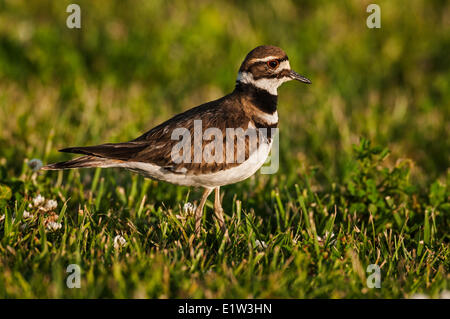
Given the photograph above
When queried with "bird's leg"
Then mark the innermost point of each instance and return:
(218, 211)
(199, 210)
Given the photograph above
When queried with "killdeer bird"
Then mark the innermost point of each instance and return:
(251, 107)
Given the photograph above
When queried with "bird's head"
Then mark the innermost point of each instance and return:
(267, 67)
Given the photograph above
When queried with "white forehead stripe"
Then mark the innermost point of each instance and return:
(267, 58)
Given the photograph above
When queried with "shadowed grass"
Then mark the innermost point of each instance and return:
(292, 243)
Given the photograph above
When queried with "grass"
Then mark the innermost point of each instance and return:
(363, 176)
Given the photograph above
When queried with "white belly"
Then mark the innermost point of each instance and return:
(225, 177)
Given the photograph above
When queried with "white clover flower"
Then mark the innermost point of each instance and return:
(35, 164)
(189, 208)
(53, 226)
(38, 200)
(259, 244)
(51, 204)
(26, 214)
(119, 242)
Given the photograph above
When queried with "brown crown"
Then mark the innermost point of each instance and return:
(260, 53)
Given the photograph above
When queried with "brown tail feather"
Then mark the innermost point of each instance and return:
(82, 162)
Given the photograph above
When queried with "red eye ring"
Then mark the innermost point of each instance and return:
(273, 64)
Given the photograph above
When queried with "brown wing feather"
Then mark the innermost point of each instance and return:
(120, 151)
(155, 146)
(220, 114)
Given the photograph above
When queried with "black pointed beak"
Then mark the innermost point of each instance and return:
(295, 76)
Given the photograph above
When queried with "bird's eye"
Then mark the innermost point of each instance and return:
(273, 64)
